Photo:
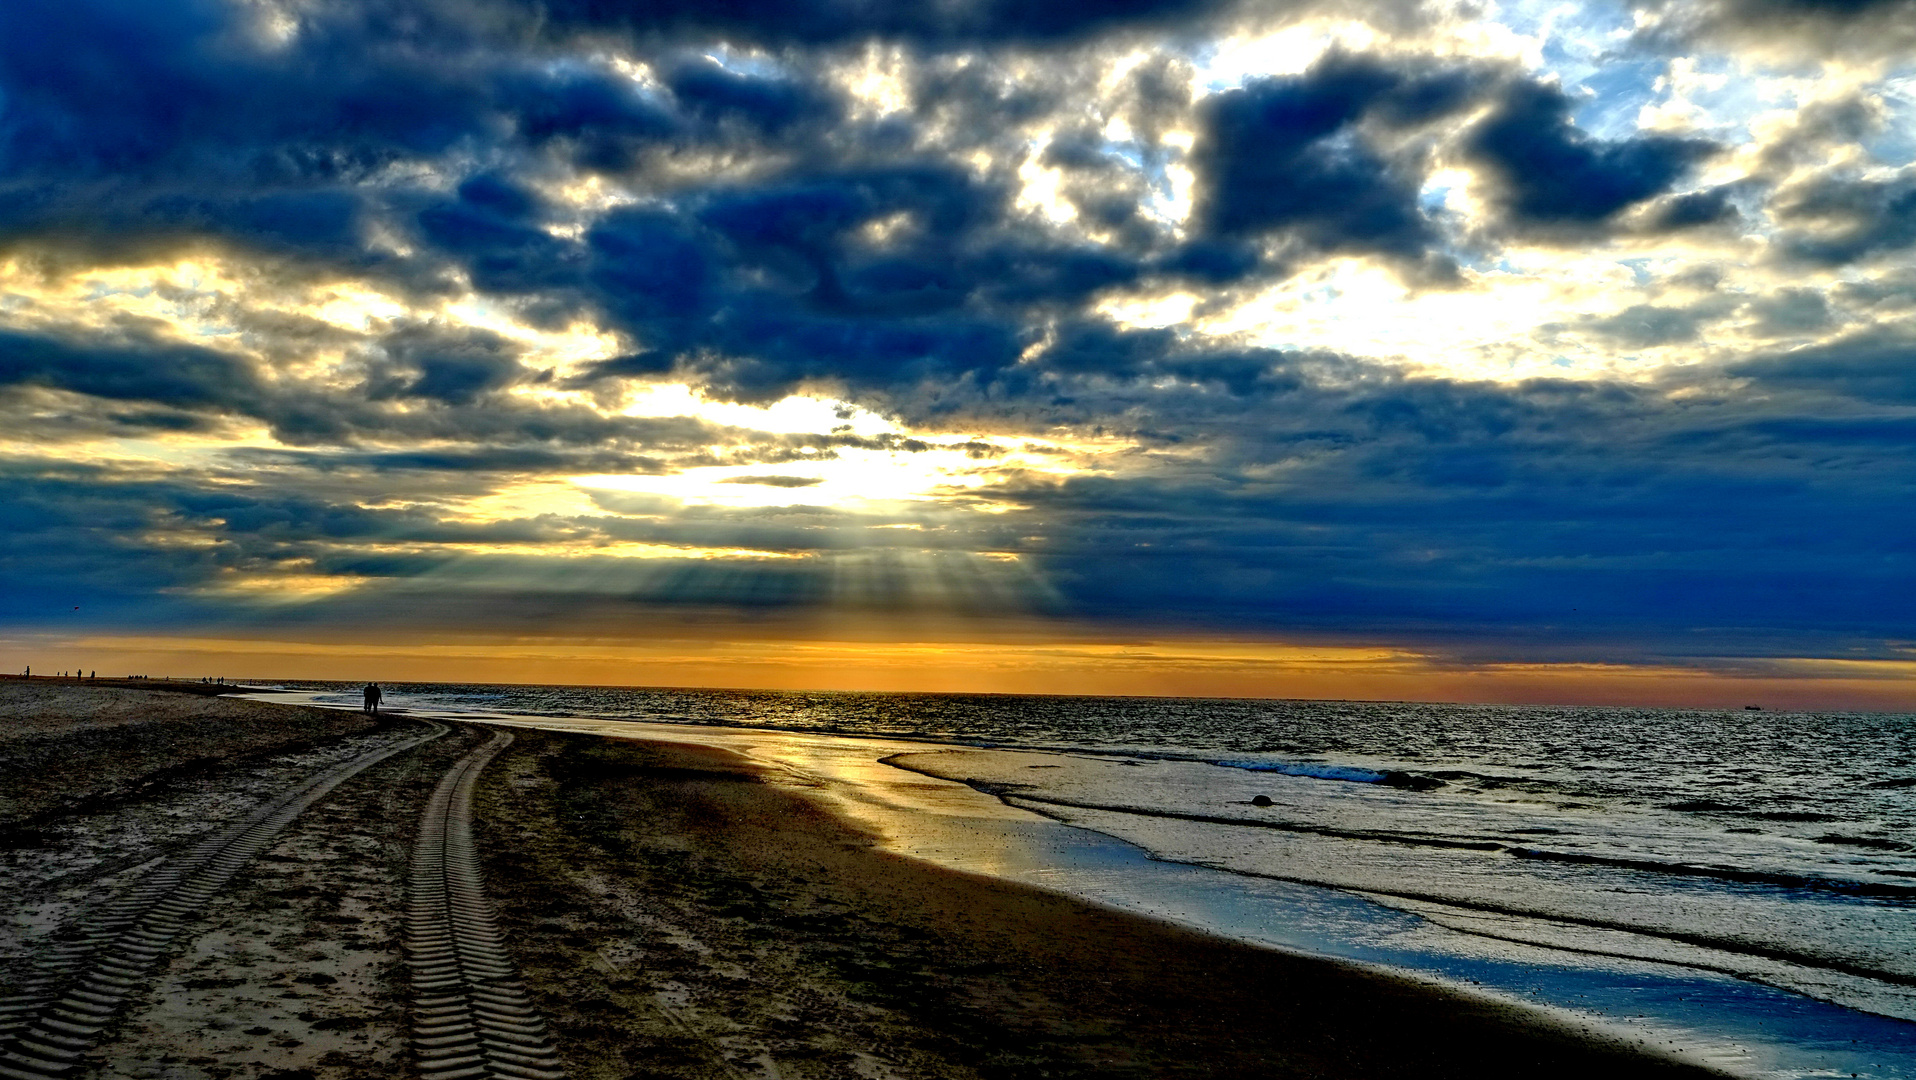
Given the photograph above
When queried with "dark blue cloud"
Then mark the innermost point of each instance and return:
(1288, 155)
(1833, 220)
(131, 129)
(810, 217)
(764, 288)
(134, 126)
(453, 367)
(969, 22)
(1553, 174)
(134, 91)
(1873, 368)
(1695, 209)
(600, 121)
(1791, 312)
(1318, 159)
(420, 382)
(314, 224)
(708, 91)
(492, 227)
(655, 278)
(75, 542)
(511, 461)
(853, 252)
(1569, 516)
(1213, 262)
(1805, 28)
(71, 106)
(790, 346)
(133, 367)
(1643, 326)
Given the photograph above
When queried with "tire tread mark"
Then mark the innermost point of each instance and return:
(48, 1023)
(471, 1015)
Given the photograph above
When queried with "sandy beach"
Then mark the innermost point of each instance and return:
(642, 908)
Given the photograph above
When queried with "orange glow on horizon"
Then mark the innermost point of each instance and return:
(1176, 668)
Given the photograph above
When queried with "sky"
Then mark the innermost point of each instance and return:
(1453, 350)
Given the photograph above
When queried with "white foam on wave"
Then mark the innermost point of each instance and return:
(1349, 773)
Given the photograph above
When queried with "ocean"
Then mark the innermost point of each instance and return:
(1736, 886)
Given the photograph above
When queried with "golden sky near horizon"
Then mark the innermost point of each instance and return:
(1175, 668)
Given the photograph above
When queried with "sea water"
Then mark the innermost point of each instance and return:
(1740, 885)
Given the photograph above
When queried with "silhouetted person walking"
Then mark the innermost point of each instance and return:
(372, 697)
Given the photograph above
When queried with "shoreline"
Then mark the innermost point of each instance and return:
(668, 842)
(1720, 1019)
(133, 682)
(680, 911)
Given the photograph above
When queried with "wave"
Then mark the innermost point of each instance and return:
(1875, 843)
(1728, 874)
(1844, 886)
(1733, 946)
(1350, 773)
(1730, 945)
(1696, 806)
(1319, 772)
(1010, 792)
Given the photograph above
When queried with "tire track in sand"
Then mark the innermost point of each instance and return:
(48, 1025)
(471, 1015)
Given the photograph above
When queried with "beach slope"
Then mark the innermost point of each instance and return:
(674, 912)
(682, 917)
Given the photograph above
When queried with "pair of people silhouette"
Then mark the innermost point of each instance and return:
(373, 697)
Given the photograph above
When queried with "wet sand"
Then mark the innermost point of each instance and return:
(675, 911)
(683, 915)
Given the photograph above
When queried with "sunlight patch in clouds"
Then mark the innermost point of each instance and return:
(1151, 311)
(1287, 50)
(877, 82)
(1042, 191)
(850, 478)
(792, 415)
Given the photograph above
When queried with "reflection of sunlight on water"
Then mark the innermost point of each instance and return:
(943, 822)
(940, 821)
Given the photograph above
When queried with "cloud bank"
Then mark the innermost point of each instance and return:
(1508, 339)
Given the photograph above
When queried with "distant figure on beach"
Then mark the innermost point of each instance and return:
(372, 697)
